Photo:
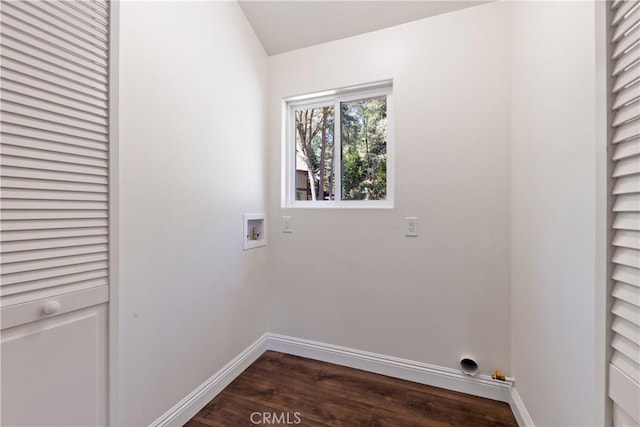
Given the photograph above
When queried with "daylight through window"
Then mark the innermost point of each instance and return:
(339, 148)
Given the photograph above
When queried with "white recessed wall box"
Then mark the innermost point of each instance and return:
(255, 231)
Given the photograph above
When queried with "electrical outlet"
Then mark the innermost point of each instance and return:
(411, 226)
(287, 224)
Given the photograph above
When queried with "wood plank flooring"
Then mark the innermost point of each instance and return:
(280, 389)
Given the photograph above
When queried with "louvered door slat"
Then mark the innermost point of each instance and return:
(626, 79)
(54, 162)
(625, 167)
(626, 311)
(627, 114)
(626, 274)
(628, 367)
(52, 204)
(16, 283)
(627, 293)
(56, 262)
(39, 184)
(15, 278)
(627, 184)
(10, 215)
(627, 239)
(12, 236)
(50, 165)
(626, 149)
(626, 347)
(31, 194)
(54, 147)
(30, 224)
(54, 283)
(22, 257)
(626, 131)
(54, 156)
(626, 202)
(18, 172)
(626, 221)
(627, 257)
(34, 245)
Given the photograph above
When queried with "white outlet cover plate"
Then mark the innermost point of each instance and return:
(287, 224)
(411, 226)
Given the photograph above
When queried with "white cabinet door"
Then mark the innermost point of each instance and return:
(54, 371)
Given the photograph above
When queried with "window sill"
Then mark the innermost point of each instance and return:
(369, 204)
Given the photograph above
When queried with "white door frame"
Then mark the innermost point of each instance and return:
(114, 193)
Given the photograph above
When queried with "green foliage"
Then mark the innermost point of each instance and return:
(364, 145)
(353, 173)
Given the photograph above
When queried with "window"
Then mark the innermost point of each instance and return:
(338, 148)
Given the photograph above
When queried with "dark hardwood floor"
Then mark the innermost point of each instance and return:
(280, 389)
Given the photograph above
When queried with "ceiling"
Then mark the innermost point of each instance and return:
(282, 26)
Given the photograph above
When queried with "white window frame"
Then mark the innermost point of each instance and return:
(335, 97)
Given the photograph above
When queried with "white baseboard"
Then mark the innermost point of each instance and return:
(184, 410)
(519, 410)
(423, 373)
(437, 376)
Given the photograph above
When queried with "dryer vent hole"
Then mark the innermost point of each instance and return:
(469, 366)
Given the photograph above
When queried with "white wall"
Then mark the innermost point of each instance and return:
(553, 194)
(192, 161)
(349, 277)
(494, 131)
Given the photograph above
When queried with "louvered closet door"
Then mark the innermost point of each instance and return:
(54, 212)
(54, 146)
(624, 366)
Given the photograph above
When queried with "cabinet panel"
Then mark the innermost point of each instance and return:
(54, 371)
